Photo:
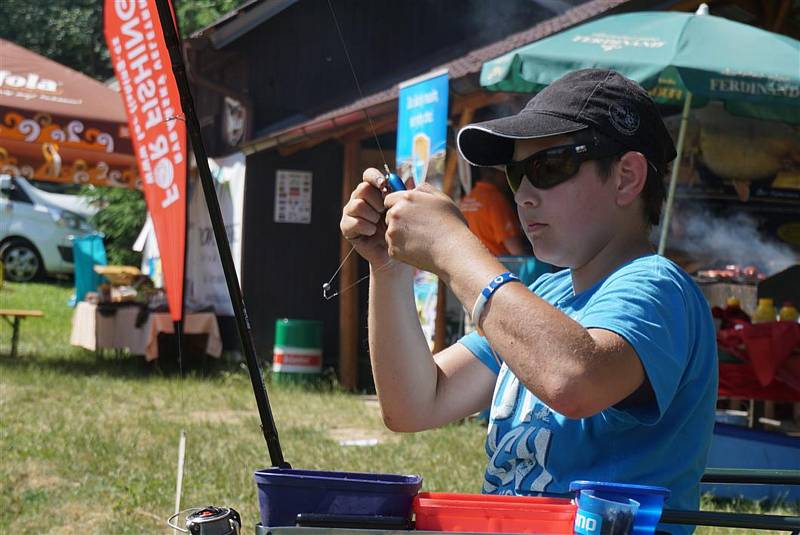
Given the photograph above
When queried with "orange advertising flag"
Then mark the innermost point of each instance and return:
(142, 65)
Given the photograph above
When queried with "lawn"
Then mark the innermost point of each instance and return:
(89, 443)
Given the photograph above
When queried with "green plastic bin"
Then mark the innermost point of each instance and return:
(297, 354)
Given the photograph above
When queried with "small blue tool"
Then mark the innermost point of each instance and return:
(395, 183)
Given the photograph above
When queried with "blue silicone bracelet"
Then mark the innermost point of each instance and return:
(486, 294)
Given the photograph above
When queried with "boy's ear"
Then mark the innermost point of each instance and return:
(631, 177)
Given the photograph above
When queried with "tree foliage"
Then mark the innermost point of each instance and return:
(67, 31)
(120, 219)
(194, 15)
(71, 31)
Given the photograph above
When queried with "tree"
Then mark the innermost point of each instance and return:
(71, 31)
(120, 220)
(194, 15)
(67, 31)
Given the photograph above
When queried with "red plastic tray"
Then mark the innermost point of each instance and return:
(491, 513)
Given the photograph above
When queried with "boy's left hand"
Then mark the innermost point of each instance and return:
(424, 226)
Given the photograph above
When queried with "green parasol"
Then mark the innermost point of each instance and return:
(680, 58)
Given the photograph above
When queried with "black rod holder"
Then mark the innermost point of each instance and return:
(730, 520)
(223, 246)
(751, 476)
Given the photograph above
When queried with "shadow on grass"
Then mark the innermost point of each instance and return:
(89, 364)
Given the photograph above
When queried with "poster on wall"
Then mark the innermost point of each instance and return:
(421, 148)
(422, 128)
(205, 281)
(292, 196)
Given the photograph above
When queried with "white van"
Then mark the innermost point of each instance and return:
(35, 229)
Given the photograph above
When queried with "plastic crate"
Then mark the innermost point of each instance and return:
(285, 493)
(491, 513)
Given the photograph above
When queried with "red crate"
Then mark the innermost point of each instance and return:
(491, 513)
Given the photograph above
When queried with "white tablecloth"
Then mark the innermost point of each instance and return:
(93, 330)
(198, 323)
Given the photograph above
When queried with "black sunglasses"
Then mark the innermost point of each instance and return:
(550, 167)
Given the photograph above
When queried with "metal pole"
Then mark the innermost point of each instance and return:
(750, 476)
(240, 313)
(730, 520)
(662, 243)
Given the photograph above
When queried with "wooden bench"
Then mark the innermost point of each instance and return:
(13, 318)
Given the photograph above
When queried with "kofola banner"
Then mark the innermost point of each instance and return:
(142, 65)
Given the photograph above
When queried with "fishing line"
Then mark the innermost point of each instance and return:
(393, 182)
(358, 86)
(327, 286)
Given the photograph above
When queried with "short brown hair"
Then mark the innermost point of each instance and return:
(654, 191)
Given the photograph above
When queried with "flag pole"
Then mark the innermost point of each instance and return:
(240, 313)
(676, 165)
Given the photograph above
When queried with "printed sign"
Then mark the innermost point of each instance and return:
(422, 129)
(142, 65)
(421, 147)
(293, 197)
(205, 280)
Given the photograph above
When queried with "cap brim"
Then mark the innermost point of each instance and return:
(492, 142)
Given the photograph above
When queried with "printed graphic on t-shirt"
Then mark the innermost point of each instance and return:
(518, 463)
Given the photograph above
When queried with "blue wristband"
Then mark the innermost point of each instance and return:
(486, 294)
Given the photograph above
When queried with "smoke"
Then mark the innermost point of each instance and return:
(734, 239)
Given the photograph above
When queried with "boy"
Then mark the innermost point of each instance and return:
(604, 371)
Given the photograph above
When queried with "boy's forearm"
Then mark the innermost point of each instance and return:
(402, 365)
(547, 350)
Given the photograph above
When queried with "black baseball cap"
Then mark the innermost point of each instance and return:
(602, 99)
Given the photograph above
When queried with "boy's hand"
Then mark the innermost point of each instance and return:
(362, 222)
(423, 227)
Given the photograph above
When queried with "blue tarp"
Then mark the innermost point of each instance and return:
(88, 251)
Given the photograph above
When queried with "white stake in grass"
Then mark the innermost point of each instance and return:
(179, 482)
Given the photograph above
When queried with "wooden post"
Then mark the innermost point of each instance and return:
(780, 18)
(448, 186)
(348, 301)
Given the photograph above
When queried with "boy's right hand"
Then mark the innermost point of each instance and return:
(363, 222)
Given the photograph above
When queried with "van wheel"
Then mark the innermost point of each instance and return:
(21, 261)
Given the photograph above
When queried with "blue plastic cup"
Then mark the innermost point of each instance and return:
(604, 516)
(651, 500)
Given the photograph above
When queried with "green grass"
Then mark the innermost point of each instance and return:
(88, 444)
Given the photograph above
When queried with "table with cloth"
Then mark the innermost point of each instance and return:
(131, 326)
(765, 363)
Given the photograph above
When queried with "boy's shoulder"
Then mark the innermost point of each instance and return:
(652, 267)
(657, 277)
(652, 271)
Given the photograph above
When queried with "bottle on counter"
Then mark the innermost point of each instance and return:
(788, 312)
(732, 314)
(765, 311)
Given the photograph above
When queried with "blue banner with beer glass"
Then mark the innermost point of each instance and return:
(421, 147)
(422, 128)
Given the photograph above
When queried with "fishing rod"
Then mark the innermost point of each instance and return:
(172, 41)
(394, 183)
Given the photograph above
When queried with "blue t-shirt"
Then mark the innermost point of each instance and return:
(662, 314)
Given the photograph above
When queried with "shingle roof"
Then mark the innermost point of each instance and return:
(466, 65)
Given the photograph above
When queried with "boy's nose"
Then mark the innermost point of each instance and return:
(526, 195)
